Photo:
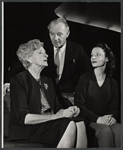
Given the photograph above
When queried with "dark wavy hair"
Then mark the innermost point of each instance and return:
(110, 67)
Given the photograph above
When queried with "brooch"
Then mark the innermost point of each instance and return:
(45, 86)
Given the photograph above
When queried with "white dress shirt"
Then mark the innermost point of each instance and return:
(61, 58)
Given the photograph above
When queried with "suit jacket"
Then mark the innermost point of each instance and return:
(25, 98)
(76, 63)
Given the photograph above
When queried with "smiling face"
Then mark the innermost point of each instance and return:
(39, 57)
(58, 34)
(98, 58)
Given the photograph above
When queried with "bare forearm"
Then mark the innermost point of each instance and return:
(39, 118)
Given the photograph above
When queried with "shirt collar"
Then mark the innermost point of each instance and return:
(62, 49)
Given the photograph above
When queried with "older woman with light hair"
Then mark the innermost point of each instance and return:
(36, 115)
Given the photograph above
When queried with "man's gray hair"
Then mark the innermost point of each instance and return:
(59, 20)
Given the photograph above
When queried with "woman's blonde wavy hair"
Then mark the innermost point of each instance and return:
(26, 50)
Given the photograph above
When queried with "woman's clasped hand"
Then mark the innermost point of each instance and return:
(70, 112)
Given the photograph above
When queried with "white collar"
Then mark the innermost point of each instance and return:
(61, 49)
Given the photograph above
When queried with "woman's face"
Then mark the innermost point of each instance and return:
(39, 57)
(98, 58)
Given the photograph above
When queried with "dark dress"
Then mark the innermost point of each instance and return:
(25, 98)
(95, 101)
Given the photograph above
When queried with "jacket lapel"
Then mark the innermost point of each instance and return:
(33, 94)
(68, 58)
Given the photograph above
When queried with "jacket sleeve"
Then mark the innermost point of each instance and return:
(113, 107)
(84, 60)
(83, 65)
(18, 99)
(80, 100)
(58, 106)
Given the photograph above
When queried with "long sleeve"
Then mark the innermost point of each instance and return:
(84, 60)
(81, 98)
(58, 106)
(18, 100)
(83, 65)
(26, 104)
(113, 107)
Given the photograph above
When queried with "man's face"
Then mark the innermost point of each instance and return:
(58, 34)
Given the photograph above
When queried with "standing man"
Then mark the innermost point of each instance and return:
(67, 60)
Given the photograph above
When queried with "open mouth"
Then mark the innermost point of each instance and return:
(45, 60)
(94, 62)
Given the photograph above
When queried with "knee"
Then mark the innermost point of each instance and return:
(81, 126)
(72, 128)
(104, 131)
(116, 128)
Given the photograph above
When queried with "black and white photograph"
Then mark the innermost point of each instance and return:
(61, 74)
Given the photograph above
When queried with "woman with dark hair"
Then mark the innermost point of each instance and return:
(97, 96)
(110, 67)
(36, 115)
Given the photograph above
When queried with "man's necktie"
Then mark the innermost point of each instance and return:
(57, 60)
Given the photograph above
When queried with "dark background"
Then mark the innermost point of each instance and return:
(24, 21)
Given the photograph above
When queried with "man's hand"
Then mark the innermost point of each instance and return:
(6, 88)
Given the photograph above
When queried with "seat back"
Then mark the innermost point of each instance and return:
(6, 113)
